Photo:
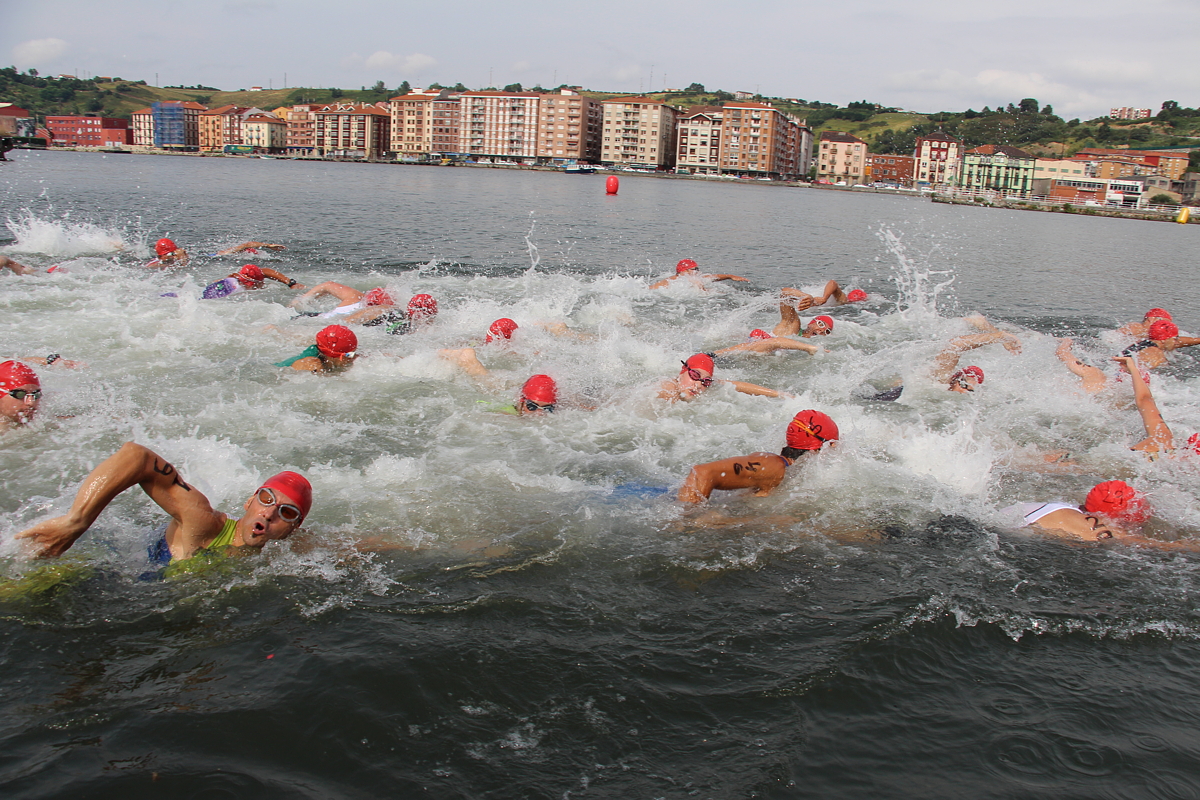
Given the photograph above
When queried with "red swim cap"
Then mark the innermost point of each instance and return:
(1157, 313)
(540, 389)
(699, 361)
(975, 372)
(501, 329)
(1163, 329)
(1194, 443)
(378, 297)
(14, 374)
(164, 247)
(828, 320)
(294, 487)
(336, 340)
(759, 333)
(810, 429)
(855, 296)
(686, 265)
(250, 275)
(1119, 500)
(422, 305)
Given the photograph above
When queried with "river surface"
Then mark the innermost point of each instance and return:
(488, 606)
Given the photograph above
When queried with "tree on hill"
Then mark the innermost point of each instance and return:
(695, 88)
(513, 87)
(404, 88)
(379, 87)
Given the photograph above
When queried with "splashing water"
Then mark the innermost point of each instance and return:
(919, 289)
(64, 238)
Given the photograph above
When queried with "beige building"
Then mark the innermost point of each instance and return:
(221, 126)
(569, 127)
(699, 149)
(266, 133)
(938, 160)
(841, 158)
(501, 126)
(353, 130)
(301, 128)
(142, 122)
(412, 122)
(638, 132)
(1060, 168)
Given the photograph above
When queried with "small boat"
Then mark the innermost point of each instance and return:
(579, 169)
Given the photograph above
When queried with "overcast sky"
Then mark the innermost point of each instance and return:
(923, 55)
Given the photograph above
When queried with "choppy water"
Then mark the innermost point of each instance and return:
(540, 618)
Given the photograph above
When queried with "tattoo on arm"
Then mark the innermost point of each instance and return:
(167, 470)
(749, 466)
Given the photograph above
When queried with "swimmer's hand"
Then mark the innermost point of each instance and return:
(54, 536)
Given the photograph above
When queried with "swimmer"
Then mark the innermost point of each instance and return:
(55, 359)
(1111, 509)
(247, 278)
(790, 325)
(1141, 330)
(696, 377)
(537, 396)
(22, 392)
(801, 300)
(763, 342)
(273, 512)
(169, 255)
(1093, 379)
(334, 351)
(807, 433)
(945, 365)
(501, 330)
(1158, 436)
(17, 267)
(354, 306)
(250, 247)
(421, 310)
(687, 268)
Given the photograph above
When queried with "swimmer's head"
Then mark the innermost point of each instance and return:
(422, 306)
(696, 375)
(1157, 313)
(336, 341)
(855, 296)
(293, 488)
(1119, 501)
(820, 326)
(685, 265)
(1163, 329)
(1193, 444)
(759, 333)
(378, 297)
(810, 430)
(165, 247)
(20, 392)
(966, 379)
(250, 276)
(538, 396)
(501, 329)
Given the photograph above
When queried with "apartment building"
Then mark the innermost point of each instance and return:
(89, 131)
(939, 160)
(890, 168)
(265, 133)
(699, 149)
(1068, 168)
(569, 127)
(173, 125)
(301, 121)
(1125, 112)
(638, 132)
(412, 122)
(446, 139)
(1168, 163)
(841, 158)
(501, 126)
(761, 141)
(999, 168)
(221, 126)
(353, 130)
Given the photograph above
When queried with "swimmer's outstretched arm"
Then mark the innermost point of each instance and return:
(192, 516)
(947, 360)
(345, 294)
(1093, 377)
(753, 389)
(276, 275)
(832, 290)
(761, 472)
(1158, 435)
(15, 266)
(770, 346)
(250, 246)
(53, 358)
(724, 277)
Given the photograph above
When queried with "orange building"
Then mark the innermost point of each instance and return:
(569, 127)
(842, 158)
(221, 126)
(760, 141)
(1168, 163)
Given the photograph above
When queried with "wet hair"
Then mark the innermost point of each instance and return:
(792, 453)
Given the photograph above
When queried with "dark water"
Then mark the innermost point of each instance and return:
(543, 620)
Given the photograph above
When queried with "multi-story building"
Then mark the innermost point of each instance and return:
(1067, 168)
(699, 149)
(1126, 112)
(638, 132)
(176, 124)
(222, 126)
(1090, 190)
(353, 130)
(446, 121)
(891, 168)
(301, 128)
(412, 122)
(502, 126)
(758, 140)
(16, 121)
(939, 160)
(999, 168)
(264, 132)
(142, 121)
(569, 127)
(89, 131)
(1168, 163)
(841, 158)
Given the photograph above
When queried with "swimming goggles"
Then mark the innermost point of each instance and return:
(694, 374)
(287, 511)
(532, 406)
(963, 384)
(21, 394)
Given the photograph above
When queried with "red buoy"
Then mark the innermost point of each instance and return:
(612, 184)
